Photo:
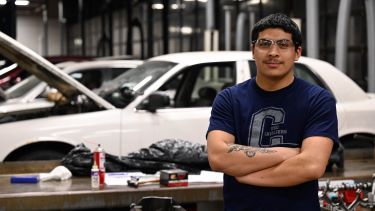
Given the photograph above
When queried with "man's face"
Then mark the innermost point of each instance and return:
(275, 59)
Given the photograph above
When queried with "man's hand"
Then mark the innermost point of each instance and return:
(308, 165)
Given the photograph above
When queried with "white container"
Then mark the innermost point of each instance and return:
(95, 181)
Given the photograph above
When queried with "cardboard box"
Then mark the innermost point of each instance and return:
(174, 177)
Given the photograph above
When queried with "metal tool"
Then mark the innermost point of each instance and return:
(138, 181)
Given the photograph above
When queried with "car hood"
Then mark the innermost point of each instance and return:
(46, 71)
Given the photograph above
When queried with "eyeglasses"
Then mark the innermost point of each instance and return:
(266, 44)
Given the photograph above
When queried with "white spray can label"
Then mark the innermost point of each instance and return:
(95, 180)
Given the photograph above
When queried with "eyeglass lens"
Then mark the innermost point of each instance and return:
(266, 43)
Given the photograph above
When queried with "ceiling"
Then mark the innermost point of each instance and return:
(36, 7)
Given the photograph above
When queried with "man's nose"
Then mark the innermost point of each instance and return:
(273, 50)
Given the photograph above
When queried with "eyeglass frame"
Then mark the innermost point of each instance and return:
(275, 42)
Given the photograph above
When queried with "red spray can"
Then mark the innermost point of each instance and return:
(99, 157)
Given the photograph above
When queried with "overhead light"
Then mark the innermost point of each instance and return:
(174, 6)
(255, 2)
(77, 41)
(22, 2)
(198, 0)
(157, 6)
(186, 30)
(18, 2)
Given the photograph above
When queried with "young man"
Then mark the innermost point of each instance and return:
(272, 135)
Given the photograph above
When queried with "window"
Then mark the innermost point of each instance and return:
(197, 86)
(92, 79)
(253, 69)
(300, 71)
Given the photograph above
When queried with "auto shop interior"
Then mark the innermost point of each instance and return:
(108, 104)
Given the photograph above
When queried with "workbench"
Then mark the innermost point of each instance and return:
(76, 193)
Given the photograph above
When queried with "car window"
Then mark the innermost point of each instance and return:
(300, 71)
(92, 79)
(123, 89)
(253, 68)
(117, 71)
(197, 86)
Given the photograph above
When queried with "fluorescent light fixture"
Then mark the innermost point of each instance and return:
(198, 0)
(157, 6)
(174, 6)
(18, 2)
(255, 2)
(22, 2)
(186, 30)
(77, 41)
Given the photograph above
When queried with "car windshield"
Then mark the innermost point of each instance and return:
(123, 88)
(20, 89)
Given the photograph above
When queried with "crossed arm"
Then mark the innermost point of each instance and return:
(273, 167)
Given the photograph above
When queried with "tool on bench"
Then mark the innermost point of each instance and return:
(24, 179)
(136, 181)
(169, 178)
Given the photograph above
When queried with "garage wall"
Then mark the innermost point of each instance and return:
(30, 33)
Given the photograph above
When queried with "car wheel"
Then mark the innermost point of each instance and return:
(336, 158)
(42, 154)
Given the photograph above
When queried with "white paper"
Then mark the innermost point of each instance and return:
(207, 176)
(120, 178)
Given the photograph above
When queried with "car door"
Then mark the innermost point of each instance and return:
(191, 93)
(304, 72)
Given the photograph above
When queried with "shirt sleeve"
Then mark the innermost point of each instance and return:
(222, 113)
(322, 118)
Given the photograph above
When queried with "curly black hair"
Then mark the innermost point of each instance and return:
(278, 20)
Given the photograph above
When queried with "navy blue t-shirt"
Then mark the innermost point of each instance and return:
(284, 118)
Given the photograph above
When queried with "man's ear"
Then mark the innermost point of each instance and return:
(298, 53)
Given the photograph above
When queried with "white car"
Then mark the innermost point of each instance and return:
(168, 96)
(30, 94)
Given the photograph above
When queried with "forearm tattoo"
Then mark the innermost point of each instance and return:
(248, 150)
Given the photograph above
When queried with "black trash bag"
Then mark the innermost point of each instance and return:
(181, 152)
(78, 160)
(165, 154)
(336, 159)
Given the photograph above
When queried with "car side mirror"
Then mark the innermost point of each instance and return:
(156, 101)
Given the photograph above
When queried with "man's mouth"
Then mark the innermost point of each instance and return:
(273, 62)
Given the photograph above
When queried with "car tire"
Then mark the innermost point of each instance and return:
(42, 154)
(336, 158)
